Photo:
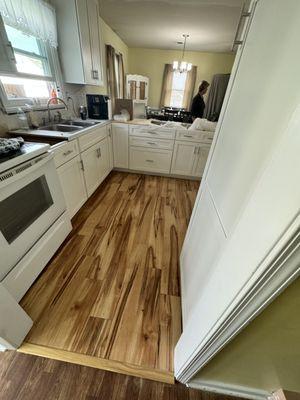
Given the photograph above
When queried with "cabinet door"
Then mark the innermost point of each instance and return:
(184, 158)
(120, 145)
(200, 161)
(72, 182)
(103, 159)
(83, 22)
(110, 147)
(91, 171)
(95, 41)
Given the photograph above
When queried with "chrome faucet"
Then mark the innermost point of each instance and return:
(49, 102)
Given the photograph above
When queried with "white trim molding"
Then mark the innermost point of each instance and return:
(230, 390)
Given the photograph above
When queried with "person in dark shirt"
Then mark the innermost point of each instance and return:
(198, 105)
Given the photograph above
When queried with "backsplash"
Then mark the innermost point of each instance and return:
(76, 92)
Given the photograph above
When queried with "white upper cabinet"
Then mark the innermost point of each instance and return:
(80, 42)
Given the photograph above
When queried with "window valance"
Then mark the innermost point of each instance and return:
(34, 17)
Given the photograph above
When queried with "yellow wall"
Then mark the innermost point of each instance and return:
(151, 62)
(266, 355)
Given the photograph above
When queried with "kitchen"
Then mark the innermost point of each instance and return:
(103, 173)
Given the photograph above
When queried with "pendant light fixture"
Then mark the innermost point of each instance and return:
(182, 66)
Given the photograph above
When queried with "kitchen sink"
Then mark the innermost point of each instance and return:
(83, 124)
(61, 128)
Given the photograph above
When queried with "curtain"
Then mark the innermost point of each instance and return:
(115, 74)
(121, 76)
(216, 96)
(33, 17)
(112, 85)
(189, 88)
(167, 86)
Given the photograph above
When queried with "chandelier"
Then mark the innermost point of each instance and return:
(182, 66)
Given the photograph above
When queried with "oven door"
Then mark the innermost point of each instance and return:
(31, 200)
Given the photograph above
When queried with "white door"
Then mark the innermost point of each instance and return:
(184, 156)
(103, 159)
(120, 145)
(200, 160)
(72, 182)
(91, 171)
(247, 209)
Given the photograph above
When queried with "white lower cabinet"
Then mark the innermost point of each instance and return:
(200, 161)
(152, 160)
(72, 182)
(103, 160)
(110, 147)
(120, 145)
(189, 158)
(96, 166)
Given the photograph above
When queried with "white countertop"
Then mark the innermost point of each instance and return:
(60, 135)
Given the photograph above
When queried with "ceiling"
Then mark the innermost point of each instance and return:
(211, 24)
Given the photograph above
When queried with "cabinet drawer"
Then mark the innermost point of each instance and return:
(90, 138)
(65, 152)
(195, 136)
(151, 142)
(150, 160)
(152, 131)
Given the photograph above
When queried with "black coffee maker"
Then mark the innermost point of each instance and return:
(99, 106)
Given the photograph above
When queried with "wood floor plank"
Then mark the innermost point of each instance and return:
(112, 291)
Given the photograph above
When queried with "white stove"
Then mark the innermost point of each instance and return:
(33, 217)
(27, 151)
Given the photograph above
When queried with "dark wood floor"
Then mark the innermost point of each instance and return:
(26, 377)
(111, 295)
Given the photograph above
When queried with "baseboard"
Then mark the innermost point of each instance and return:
(96, 362)
(135, 171)
(230, 390)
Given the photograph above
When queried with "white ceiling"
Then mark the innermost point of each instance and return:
(211, 24)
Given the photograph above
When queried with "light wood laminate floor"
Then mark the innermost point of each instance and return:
(110, 297)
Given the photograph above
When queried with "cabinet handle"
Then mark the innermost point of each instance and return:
(82, 165)
(95, 74)
(100, 152)
(152, 143)
(188, 136)
(150, 161)
(153, 133)
(66, 153)
(13, 58)
(195, 150)
(237, 41)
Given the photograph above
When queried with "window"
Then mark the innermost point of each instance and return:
(28, 75)
(178, 89)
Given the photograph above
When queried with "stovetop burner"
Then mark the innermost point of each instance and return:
(27, 151)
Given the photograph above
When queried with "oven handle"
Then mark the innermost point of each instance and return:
(38, 163)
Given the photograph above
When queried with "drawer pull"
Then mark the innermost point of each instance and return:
(188, 136)
(152, 143)
(66, 153)
(151, 161)
(153, 133)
